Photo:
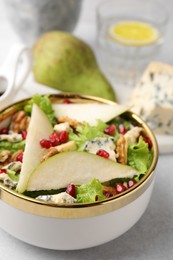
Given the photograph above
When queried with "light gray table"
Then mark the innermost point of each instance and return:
(152, 237)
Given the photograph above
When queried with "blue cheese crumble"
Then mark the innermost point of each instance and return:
(107, 144)
(11, 137)
(62, 197)
(62, 127)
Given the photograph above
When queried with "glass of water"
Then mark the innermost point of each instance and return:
(130, 34)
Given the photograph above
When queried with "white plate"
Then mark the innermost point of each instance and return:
(165, 143)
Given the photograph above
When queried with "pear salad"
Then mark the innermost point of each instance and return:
(72, 153)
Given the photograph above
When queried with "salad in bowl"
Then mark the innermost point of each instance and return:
(66, 150)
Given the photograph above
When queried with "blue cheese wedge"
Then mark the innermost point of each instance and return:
(152, 98)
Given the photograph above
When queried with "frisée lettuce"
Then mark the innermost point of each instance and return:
(139, 156)
(44, 104)
(86, 132)
(90, 192)
(11, 146)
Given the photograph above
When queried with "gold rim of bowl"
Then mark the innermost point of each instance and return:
(47, 209)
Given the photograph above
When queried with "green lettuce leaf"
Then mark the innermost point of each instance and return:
(90, 192)
(45, 105)
(139, 156)
(13, 147)
(13, 175)
(87, 132)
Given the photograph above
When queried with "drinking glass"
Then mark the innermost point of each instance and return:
(121, 59)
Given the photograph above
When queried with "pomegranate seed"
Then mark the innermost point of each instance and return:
(45, 143)
(3, 171)
(67, 101)
(71, 190)
(122, 129)
(120, 187)
(24, 134)
(110, 130)
(4, 131)
(148, 141)
(20, 157)
(54, 136)
(55, 142)
(130, 183)
(63, 137)
(103, 153)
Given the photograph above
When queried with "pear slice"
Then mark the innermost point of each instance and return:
(39, 128)
(89, 113)
(78, 168)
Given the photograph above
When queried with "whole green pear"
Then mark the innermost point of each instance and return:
(66, 63)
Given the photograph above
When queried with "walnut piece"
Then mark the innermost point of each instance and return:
(109, 189)
(4, 158)
(4, 155)
(72, 122)
(19, 121)
(51, 152)
(66, 147)
(14, 155)
(121, 149)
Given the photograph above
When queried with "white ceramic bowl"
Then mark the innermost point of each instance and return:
(77, 226)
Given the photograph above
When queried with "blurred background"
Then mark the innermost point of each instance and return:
(85, 28)
(24, 20)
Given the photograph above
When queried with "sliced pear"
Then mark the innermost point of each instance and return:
(39, 128)
(89, 113)
(78, 168)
